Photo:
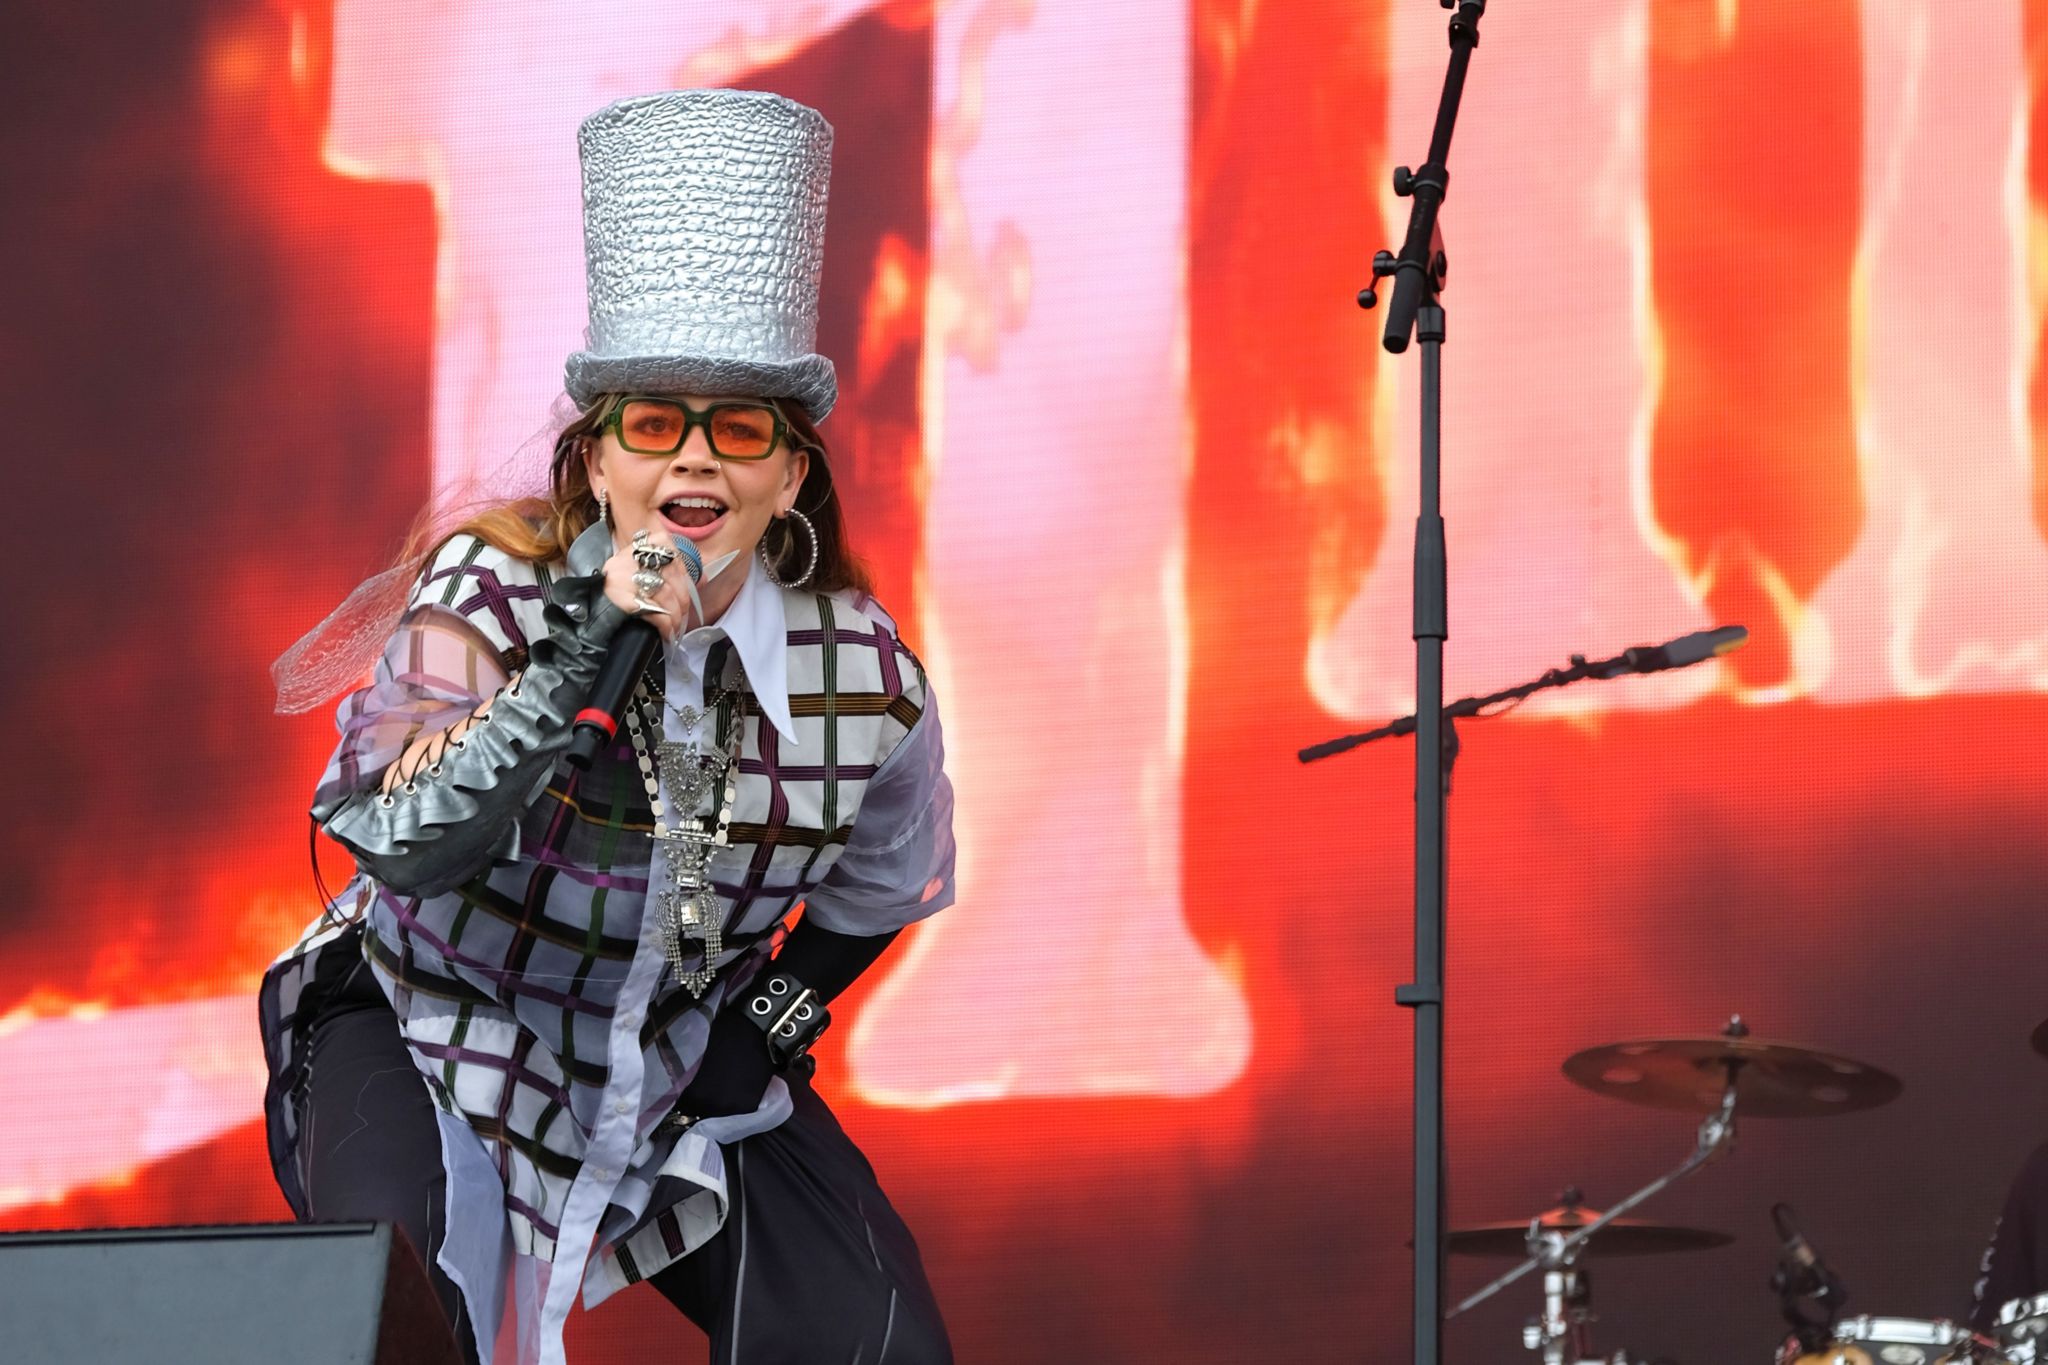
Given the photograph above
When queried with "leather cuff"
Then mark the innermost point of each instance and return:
(791, 1014)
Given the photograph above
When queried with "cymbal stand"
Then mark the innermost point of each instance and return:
(1557, 1253)
(1561, 1333)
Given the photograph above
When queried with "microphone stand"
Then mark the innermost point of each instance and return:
(1419, 273)
(1437, 739)
(1578, 669)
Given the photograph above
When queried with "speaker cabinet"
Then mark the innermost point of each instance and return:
(325, 1294)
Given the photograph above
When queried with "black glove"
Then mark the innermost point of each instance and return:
(736, 1068)
(734, 1073)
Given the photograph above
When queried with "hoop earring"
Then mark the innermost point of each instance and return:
(768, 562)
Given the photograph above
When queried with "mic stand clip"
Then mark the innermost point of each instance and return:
(1557, 1253)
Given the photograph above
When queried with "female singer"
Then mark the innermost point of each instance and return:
(556, 1028)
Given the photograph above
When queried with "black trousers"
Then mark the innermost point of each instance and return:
(812, 1266)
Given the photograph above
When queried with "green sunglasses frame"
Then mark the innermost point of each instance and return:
(693, 418)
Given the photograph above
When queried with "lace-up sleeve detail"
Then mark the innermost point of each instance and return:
(437, 670)
(464, 634)
(438, 827)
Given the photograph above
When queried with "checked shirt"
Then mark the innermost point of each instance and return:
(536, 999)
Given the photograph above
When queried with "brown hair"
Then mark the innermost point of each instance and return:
(540, 529)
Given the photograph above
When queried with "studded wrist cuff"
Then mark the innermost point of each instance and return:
(790, 1013)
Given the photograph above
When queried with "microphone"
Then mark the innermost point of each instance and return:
(632, 649)
(1802, 1274)
(1685, 651)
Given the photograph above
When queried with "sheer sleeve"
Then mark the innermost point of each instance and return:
(465, 638)
(898, 863)
(437, 669)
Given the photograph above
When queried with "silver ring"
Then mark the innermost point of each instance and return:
(646, 582)
(650, 555)
(643, 607)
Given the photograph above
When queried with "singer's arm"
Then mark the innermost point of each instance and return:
(465, 766)
(897, 868)
(428, 750)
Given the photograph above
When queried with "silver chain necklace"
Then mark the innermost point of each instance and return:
(686, 772)
(686, 902)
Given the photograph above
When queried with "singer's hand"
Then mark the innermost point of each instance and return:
(672, 598)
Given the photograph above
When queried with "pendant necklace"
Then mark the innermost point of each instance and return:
(690, 917)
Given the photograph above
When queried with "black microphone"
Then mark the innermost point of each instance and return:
(632, 649)
(1686, 650)
(1801, 1271)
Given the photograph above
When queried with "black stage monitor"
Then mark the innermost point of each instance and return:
(330, 1294)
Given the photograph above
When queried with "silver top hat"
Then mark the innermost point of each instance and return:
(704, 241)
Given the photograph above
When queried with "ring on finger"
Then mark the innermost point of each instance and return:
(650, 554)
(646, 583)
(643, 607)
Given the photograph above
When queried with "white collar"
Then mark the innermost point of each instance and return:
(755, 623)
(758, 627)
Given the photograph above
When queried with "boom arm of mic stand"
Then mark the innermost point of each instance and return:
(1579, 671)
(1716, 1138)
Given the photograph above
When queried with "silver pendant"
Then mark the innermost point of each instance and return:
(690, 920)
(686, 774)
(690, 915)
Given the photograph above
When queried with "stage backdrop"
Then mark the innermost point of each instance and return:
(1745, 327)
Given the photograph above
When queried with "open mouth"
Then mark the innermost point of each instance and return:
(695, 516)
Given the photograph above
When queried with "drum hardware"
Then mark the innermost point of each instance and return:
(1556, 1252)
(1717, 1076)
(1869, 1340)
(1562, 1330)
(1621, 1237)
(1810, 1294)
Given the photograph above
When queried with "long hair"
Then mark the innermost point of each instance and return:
(541, 529)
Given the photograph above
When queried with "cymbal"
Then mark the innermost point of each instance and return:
(1622, 1237)
(1772, 1080)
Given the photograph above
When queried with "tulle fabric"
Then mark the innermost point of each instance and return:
(436, 668)
(335, 654)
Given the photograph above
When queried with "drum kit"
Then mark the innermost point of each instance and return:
(1721, 1077)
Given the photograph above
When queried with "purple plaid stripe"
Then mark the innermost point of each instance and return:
(768, 744)
(547, 857)
(492, 1062)
(543, 1226)
(815, 704)
(492, 594)
(887, 646)
(509, 1092)
(818, 772)
(786, 836)
(508, 981)
(676, 1075)
(542, 945)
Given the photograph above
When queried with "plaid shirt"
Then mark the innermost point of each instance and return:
(536, 999)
